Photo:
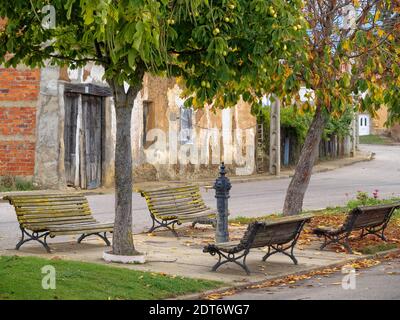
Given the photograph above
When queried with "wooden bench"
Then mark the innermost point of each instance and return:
(176, 205)
(370, 220)
(278, 235)
(41, 216)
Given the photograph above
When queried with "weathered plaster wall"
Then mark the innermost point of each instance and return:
(378, 123)
(215, 136)
(49, 165)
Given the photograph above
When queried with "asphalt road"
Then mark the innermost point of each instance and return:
(260, 197)
(381, 282)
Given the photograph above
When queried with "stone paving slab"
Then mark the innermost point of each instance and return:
(184, 257)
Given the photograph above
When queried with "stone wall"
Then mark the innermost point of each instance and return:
(49, 143)
(395, 132)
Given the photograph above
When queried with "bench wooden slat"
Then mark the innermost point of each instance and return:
(61, 220)
(279, 236)
(84, 210)
(37, 200)
(170, 190)
(81, 226)
(168, 195)
(166, 201)
(47, 226)
(56, 214)
(80, 231)
(176, 205)
(207, 214)
(279, 231)
(44, 205)
(369, 219)
(182, 208)
(53, 215)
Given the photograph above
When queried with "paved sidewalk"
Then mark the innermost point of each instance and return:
(184, 256)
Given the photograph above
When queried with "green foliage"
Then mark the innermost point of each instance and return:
(364, 199)
(375, 139)
(378, 248)
(339, 126)
(299, 122)
(355, 65)
(222, 49)
(21, 278)
(9, 183)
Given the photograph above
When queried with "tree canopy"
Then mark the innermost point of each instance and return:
(352, 60)
(220, 48)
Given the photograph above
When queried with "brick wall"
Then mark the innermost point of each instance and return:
(19, 92)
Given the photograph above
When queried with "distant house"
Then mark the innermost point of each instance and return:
(377, 125)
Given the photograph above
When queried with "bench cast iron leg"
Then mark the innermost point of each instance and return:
(290, 245)
(281, 250)
(33, 236)
(102, 236)
(335, 239)
(379, 232)
(164, 224)
(231, 258)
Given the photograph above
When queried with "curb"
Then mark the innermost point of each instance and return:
(201, 295)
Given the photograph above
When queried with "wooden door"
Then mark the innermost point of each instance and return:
(92, 116)
(70, 137)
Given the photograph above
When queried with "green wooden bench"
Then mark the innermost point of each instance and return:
(177, 205)
(279, 235)
(368, 219)
(44, 215)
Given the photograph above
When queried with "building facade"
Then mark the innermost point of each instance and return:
(58, 127)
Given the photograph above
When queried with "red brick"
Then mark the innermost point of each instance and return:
(17, 158)
(19, 85)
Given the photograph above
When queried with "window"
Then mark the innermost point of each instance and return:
(186, 133)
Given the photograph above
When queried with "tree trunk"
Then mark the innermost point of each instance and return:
(301, 179)
(122, 236)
